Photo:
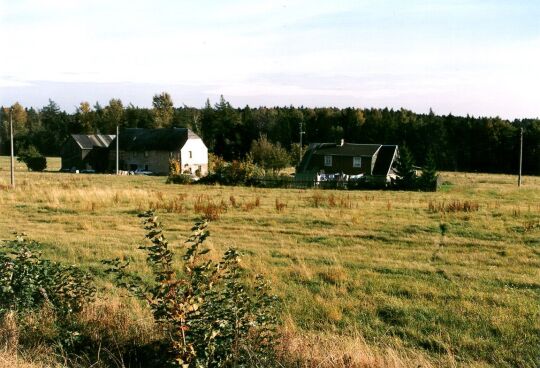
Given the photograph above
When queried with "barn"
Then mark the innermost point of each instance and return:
(86, 152)
(375, 161)
(150, 150)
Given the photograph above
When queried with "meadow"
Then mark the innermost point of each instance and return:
(383, 278)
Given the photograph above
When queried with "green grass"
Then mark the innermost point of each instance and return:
(374, 263)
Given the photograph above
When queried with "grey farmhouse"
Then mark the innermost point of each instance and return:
(147, 150)
(372, 161)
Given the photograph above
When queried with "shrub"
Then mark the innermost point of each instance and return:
(209, 314)
(233, 173)
(28, 282)
(174, 167)
(179, 179)
(34, 160)
(268, 155)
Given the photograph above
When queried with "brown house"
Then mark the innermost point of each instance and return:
(86, 152)
(151, 149)
(369, 160)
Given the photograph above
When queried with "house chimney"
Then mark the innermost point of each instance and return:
(342, 142)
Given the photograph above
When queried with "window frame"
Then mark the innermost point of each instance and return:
(355, 160)
(328, 161)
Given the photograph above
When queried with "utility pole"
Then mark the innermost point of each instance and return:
(520, 155)
(301, 134)
(117, 145)
(12, 151)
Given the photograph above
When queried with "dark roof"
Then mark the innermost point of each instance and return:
(89, 141)
(164, 139)
(383, 162)
(385, 159)
(347, 149)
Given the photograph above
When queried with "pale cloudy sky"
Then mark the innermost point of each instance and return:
(479, 57)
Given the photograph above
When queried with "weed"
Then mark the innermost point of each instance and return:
(210, 315)
(280, 206)
(174, 205)
(345, 202)
(116, 198)
(208, 208)
(316, 199)
(332, 200)
(453, 206)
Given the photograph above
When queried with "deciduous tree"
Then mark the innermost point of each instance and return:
(163, 110)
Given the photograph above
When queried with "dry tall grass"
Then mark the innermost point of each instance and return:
(333, 351)
(346, 264)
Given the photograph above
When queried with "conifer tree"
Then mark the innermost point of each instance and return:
(406, 175)
(428, 179)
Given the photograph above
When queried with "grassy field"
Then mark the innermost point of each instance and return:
(363, 272)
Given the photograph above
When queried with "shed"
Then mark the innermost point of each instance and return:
(86, 152)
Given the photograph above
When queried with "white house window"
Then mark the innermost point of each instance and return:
(190, 154)
(328, 161)
(357, 162)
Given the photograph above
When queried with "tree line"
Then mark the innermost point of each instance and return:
(456, 143)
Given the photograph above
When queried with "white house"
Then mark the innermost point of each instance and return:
(151, 150)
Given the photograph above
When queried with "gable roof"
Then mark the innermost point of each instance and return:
(89, 141)
(347, 149)
(384, 154)
(163, 139)
(335, 149)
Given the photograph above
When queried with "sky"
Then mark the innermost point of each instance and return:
(462, 57)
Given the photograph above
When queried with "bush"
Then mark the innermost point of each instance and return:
(179, 179)
(268, 155)
(233, 173)
(209, 314)
(174, 167)
(28, 282)
(34, 160)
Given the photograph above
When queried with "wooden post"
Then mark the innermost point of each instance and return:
(12, 150)
(117, 145)
(520, 155)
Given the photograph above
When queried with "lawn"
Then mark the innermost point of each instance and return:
(370, 266)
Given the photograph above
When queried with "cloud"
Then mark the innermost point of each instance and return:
(416, 53)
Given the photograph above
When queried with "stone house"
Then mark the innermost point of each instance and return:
(151, 149)
(86, 152)
(375, 161)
